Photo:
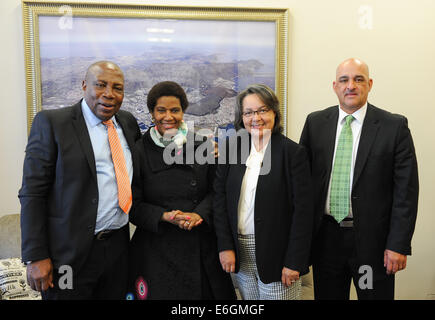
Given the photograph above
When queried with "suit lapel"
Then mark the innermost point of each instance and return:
(368, 133)
(273, 155)
(82, 133)
(327, 134)
(240, 167)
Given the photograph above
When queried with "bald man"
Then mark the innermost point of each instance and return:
(366, 185)
(74, 232)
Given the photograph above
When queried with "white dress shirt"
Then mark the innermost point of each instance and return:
(248, 190)
(356, 126)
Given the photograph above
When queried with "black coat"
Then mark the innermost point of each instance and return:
(174, 262)
(59, 195)
(283, 213)
(385, 182)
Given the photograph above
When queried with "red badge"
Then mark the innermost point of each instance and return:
(141, 288)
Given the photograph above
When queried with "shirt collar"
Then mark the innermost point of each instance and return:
(262, 151)
(359, 115)
(91, 119)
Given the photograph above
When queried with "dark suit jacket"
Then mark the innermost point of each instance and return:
(385, 183)
(59, 193)
(283, 208)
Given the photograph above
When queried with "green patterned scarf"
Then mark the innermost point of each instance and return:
(179, 139)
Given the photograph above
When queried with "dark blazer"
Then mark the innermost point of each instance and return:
(59, 193)
(283, 213)
(385, 183)
(175, 263)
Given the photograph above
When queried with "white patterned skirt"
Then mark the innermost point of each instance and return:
(249, 283)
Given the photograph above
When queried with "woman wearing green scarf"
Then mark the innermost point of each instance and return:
(173, 250)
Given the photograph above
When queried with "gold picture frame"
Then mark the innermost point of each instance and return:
(38, 13)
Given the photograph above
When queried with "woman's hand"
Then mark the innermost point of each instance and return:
(289, 276)
(228, 260)
(187, 220)
(184, 220)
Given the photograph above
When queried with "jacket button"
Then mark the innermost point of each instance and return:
(193, 183)
(94, 201)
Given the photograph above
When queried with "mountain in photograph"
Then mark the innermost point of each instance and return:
(211, 85)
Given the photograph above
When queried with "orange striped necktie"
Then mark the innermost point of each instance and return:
(122, 179)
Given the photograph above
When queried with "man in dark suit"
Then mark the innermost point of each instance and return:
(76, 193)
(366, 187)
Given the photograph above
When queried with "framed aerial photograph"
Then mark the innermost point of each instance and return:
(213, 53)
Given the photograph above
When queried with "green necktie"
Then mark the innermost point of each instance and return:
(339, 201)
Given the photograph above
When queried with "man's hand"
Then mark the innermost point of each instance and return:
(228, 260)
(289, 276)
(40, 275)
(394, 261)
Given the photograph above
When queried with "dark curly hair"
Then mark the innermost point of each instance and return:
(166, 89)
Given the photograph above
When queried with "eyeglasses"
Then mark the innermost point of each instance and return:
(260, 112)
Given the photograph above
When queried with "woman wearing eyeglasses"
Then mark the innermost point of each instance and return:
(263, 205)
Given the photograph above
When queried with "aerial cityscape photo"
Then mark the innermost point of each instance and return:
(211, 60)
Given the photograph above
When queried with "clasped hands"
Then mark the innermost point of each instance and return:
(184, 220)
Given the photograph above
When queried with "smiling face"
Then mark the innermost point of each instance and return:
(257, 117)
(352, 85)
(168, 115)
(103, 89)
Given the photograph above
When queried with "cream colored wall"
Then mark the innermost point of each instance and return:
(399, 49)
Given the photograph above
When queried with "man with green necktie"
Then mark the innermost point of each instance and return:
(365, 177)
